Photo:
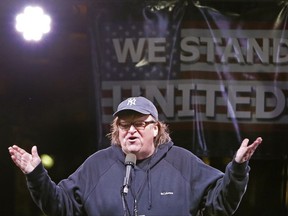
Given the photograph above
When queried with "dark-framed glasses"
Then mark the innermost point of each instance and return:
(139, 125)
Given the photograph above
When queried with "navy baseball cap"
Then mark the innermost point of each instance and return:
(139, 104)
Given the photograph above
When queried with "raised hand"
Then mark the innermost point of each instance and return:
(245, 152)
(24, 160)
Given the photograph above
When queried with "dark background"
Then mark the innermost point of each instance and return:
(47, 98)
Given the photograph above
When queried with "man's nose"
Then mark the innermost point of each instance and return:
(132, 128)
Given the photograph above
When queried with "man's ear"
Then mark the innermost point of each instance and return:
(155, 130)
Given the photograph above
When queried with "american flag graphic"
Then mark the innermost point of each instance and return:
(211, 75)
(140, 68)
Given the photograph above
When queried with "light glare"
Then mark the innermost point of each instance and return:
(33, 23)
(47, 161)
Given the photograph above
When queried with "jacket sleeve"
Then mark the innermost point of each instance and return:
(52, 199)
(224, 196)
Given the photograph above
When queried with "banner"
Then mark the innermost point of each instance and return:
(217, 73)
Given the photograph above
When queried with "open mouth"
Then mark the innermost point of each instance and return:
(132, 138)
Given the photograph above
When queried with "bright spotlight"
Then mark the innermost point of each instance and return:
(47, 161)
(33, 23)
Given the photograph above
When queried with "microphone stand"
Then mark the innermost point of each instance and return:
(130, 161)
(124, 202)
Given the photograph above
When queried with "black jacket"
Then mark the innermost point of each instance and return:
(171, 182)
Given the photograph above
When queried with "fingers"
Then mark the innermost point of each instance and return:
(252, 148)
(17, 159)
(34, 151)
(245, 142)
(16, 150)
(259, 140)
(255, 144)
(17, 154)
(13, 151)
(246, 151)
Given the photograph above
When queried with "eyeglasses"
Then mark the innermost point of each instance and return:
(139, 125)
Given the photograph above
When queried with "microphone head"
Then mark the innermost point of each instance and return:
(130, 159)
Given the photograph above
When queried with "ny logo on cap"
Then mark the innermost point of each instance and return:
(131, 101)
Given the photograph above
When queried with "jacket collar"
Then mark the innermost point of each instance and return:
(159, 153)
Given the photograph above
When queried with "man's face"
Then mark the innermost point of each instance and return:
(136, 134)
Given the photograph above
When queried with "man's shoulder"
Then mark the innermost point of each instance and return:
(181, 151)
(109, 153)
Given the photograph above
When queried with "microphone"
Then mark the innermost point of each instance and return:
(130, 161)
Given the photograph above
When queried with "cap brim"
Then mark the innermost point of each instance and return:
(131, 109)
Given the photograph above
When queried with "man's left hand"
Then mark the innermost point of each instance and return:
(246, 151)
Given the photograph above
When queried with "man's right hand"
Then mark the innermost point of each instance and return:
(24, 160)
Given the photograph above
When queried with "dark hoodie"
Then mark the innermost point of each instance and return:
(171, 182)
